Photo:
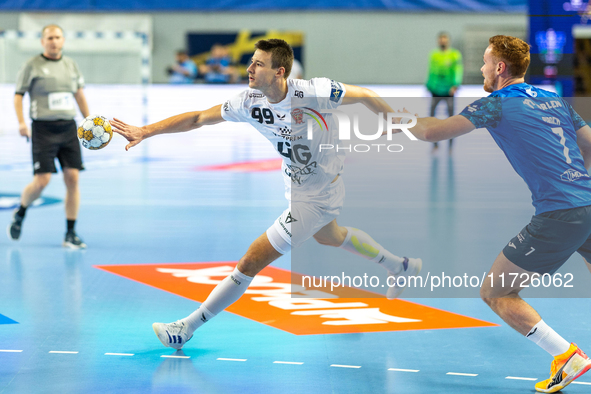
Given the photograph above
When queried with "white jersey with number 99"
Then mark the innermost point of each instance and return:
(307, 170)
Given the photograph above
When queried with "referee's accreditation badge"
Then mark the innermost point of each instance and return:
(269, 300)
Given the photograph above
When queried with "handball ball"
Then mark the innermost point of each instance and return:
(95, 132)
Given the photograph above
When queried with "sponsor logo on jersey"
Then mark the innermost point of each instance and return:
(298, 116)
(571, 175)
(288, 137)
(298, 93)
(284, 227)
(290, 219)
(256, 95)
(227, 106)
(278, 298)
(280, 117)
(285, 133)
(336, 91)
(551, 120)
(545, 106)
(472, 108)
(297, 173)
(511, 244)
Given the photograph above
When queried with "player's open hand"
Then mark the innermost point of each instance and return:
(402, 118)
(133, 134)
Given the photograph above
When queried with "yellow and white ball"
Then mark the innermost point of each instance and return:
(95, 132)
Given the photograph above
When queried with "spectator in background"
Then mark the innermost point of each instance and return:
(218, 67)
(445, 76)
(183, 71)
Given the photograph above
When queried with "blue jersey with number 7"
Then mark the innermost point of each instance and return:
(536, 130)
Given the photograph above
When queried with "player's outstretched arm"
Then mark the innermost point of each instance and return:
(175, 124)
(369, 98)
(433, 129)
(584, 143)
(357, 94)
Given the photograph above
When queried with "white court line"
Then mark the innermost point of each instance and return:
(231, 359)
(461, 374)
(586, 383)
(9, 351)
(518, 378)
(345, 366)
(287, 362)
(62, 352)
(403, 370)
(118, 354)
(175, 356)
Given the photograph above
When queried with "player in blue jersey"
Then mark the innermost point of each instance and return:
(549, 146)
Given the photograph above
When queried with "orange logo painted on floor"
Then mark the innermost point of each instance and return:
(273, 300)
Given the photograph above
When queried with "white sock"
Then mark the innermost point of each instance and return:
(360, 243)
(545, 337)
(225, 294)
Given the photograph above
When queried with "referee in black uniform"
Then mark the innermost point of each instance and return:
(54, 84)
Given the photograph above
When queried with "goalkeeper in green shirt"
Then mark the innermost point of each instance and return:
(445, 76)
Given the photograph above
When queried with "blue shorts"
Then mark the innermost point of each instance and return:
(545, 244)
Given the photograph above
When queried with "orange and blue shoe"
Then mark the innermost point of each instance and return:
(565, 368)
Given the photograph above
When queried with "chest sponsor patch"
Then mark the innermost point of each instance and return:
(63, 101)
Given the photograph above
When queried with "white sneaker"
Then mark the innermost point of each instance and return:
(410, 267)
(172, 335)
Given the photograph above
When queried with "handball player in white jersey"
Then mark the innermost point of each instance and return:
(314, 188)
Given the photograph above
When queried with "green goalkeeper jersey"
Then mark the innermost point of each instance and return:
(445, 71)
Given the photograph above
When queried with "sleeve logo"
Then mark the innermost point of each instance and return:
(336, 91)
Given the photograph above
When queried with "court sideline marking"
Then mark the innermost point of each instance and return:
(288, 363)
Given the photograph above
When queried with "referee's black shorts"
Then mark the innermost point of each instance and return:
(55, 139)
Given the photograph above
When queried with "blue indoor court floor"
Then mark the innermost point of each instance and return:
(70, 324)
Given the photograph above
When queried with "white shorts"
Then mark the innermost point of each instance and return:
(303, 219)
